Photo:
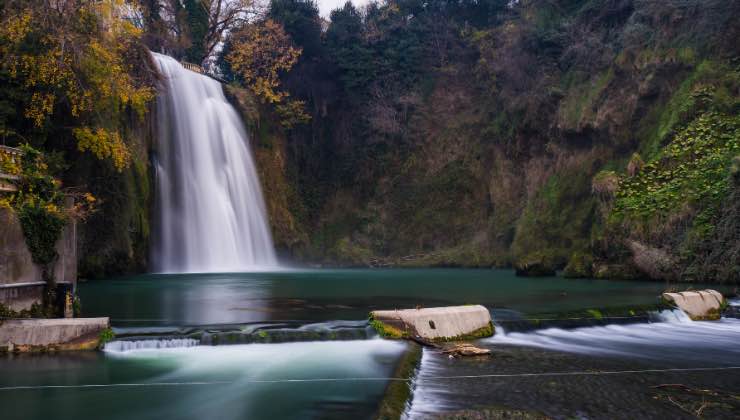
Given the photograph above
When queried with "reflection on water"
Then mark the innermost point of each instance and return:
(323, 295)
(220, 382)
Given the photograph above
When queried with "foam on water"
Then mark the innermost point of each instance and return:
(268, 361)
(674, 336)
(122, 346)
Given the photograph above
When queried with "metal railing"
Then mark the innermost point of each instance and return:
(10, 160)
(193, 67)
(200, 70)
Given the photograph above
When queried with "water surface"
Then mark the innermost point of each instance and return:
(325, 295)
(203, 382)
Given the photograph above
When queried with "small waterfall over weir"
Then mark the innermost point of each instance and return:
(209, 207)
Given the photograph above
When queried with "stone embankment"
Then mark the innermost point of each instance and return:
(60, 334)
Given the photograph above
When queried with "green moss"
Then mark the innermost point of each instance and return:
(601, 313)
(558, 220)
(391, 332)
(595, 313)
(482, 332)
(398, 393)
(387, 331)
(578, 105)
(579, 266)
(107, 335)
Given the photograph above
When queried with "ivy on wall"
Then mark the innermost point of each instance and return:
(39, 206)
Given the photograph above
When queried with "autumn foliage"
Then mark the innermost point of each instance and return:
(260, 53)
(72, 59)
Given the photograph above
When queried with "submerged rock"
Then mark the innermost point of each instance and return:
(437, 324)
(700, 305)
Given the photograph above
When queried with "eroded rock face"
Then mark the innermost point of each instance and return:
(699, 305)
(436, 324)
(653, 262)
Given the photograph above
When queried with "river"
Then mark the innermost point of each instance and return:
(318, 359)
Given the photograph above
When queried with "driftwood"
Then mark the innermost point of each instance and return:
(709, 398)
(466, 349)
(453, 350)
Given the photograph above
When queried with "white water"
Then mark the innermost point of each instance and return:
(673, 337)
(209, 207)
(127, 346)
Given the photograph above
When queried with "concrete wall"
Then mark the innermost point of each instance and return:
(22, 295)
(438, 323)
(19, 276)
(40, 334)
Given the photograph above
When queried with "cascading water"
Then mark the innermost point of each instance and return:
(672, 329)
(209, 206)
(126, 346)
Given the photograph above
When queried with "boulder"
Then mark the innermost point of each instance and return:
(698, 305)
(434, 324)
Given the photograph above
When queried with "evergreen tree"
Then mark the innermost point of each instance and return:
(197, 21)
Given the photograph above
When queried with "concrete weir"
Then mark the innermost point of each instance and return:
(435, 324)
(699, 305)
(37, 335)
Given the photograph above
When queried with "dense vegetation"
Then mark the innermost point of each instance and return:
(75, 83)
(537, 133)
(599, 136)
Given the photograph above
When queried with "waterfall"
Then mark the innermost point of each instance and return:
(125, 346)
(209, 210)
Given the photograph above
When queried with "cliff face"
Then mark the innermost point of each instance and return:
(593, 135)
(114, 240)
(490, 156)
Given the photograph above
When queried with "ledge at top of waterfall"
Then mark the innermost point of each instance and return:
(436, 324)
(209, 211)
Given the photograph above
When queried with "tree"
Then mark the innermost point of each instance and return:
(197, 24)
(75, 61)
(300, 19)
(225, 16)
(260, 53)
(194, 29)
(347, 48)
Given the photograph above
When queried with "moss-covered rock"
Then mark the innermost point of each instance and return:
(537, 265)
(615, 271)
(398, 393)
(580, 265)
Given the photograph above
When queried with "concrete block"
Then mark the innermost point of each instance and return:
(698, 305)
(436, 324)
(51, 334)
